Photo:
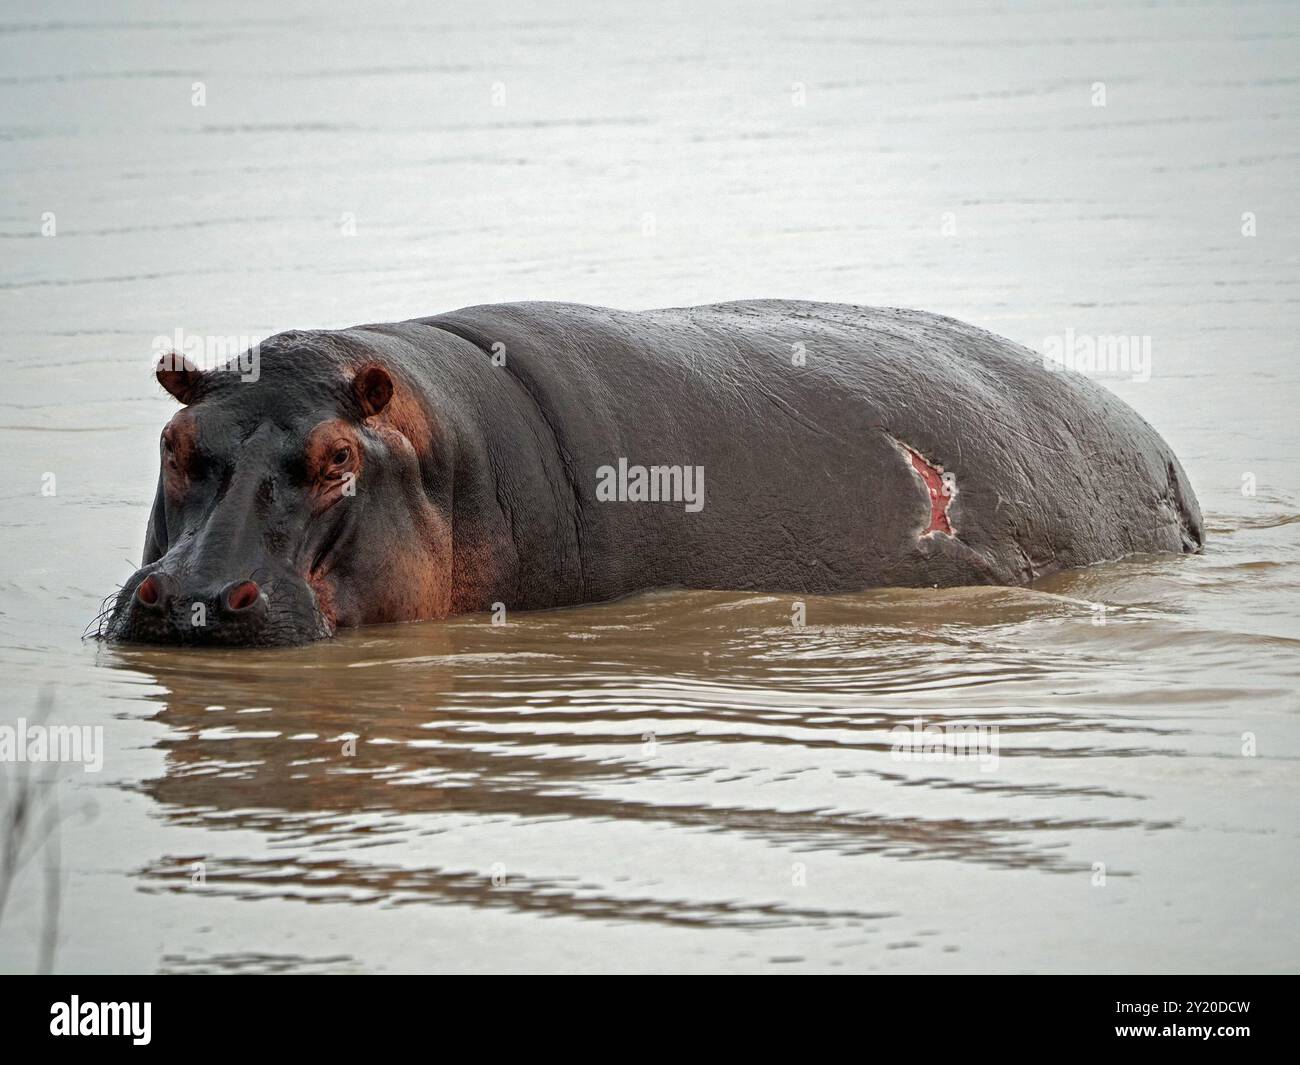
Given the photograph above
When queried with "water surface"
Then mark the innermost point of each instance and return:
(678, 781)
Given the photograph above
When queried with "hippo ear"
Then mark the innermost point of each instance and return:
(373, 389)
(179, 376)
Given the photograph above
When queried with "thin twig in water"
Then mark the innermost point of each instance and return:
(29, 821)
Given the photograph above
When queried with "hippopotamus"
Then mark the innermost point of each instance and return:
(532, 455)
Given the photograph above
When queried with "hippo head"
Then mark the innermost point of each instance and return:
(287, 505)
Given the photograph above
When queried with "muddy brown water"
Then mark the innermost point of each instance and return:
(681, 780)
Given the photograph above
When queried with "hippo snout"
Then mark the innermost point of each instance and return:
(158, 608)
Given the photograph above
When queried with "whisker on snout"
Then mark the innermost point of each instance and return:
(99, 622)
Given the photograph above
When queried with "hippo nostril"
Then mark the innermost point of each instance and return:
(148, 591)
(241, 596)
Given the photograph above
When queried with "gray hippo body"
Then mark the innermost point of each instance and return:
(805, 417)
(500, 455)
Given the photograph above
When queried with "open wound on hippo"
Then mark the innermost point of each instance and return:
(940, 487)
(453, 464)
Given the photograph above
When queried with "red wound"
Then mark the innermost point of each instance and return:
(940, 493)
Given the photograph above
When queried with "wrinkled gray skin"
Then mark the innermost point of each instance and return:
(807, 488)
(808, 484)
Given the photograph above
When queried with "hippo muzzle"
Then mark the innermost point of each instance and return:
(158, 607)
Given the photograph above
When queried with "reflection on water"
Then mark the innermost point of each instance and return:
(711, 780)
(689, 713)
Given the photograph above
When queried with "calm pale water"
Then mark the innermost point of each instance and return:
(682, 781)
